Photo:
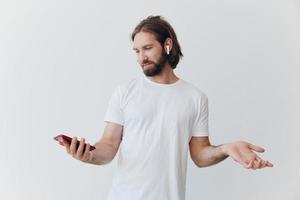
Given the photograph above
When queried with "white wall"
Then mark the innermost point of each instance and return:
(60, 61)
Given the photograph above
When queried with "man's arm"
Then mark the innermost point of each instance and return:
(106, 148)
(204, 154)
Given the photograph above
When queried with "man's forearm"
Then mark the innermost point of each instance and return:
(210, 155)
(103, 154)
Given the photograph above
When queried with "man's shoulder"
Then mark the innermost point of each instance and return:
(128, 84)
(193, 89)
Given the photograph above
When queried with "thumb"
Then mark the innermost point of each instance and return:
(256, 148)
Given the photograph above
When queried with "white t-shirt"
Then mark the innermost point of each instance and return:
(158, 122)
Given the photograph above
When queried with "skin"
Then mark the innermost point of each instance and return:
(106, 147)
(150, 55)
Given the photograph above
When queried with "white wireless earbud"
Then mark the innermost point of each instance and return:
(168, 49)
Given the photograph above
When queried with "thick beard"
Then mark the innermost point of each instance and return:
(158, 67)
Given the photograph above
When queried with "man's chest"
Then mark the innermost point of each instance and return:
(171, 108)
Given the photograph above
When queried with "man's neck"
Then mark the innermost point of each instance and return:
(167, 76)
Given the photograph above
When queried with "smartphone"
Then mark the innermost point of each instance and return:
(69, 140)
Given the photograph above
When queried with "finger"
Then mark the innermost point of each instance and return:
(251, 158)
(61, 141)
(66, 145)
(73, 146)
(80, 148)
(269, 164)
(249, 166)
(263, 164)
(260, 162)
(266, 164)
(86, 154)
(256, 164)
(256, 148)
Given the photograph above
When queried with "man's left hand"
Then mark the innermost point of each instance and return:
(243, 153)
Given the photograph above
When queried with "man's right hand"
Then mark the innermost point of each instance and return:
(106, 148)
(82, 152)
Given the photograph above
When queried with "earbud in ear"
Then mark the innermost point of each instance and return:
(168, 49)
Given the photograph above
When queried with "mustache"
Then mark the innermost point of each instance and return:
(147, 62)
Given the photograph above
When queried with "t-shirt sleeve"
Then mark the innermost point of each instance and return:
(200, 127)
(114, 112)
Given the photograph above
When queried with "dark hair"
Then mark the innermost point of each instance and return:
(161, 30)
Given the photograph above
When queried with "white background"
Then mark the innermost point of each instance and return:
(61, 59)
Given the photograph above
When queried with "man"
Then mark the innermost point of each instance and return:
(154, 120)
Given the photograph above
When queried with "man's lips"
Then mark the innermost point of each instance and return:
(147, 64)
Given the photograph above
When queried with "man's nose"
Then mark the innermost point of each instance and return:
(142, 57)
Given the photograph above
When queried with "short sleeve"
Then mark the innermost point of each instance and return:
(200, 127)
(114, 112)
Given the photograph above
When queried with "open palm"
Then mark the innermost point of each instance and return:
(243, 153)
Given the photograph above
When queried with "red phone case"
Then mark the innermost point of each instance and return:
(68, 139)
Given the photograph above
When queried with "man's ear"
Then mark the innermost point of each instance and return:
(168, 45)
